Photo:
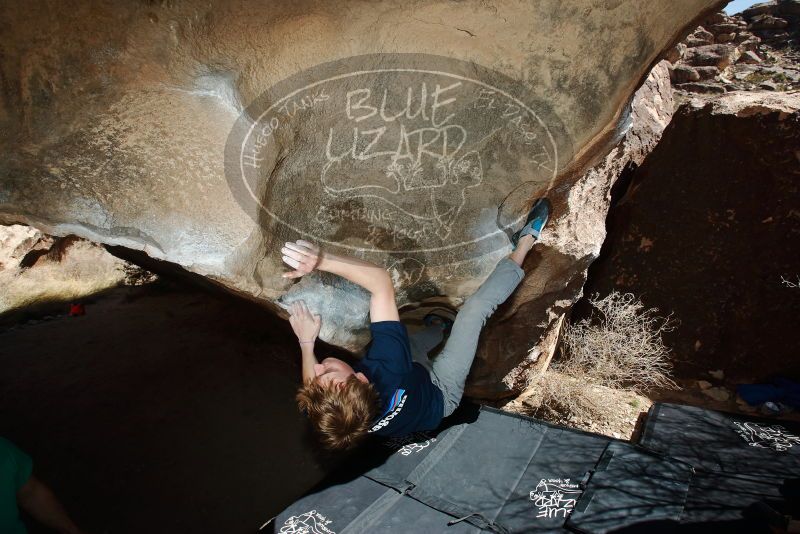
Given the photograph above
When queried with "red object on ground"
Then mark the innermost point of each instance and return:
(76, 309)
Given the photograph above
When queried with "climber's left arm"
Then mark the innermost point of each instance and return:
(306, 326)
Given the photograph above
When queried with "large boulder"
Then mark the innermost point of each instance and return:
(709, 232)
(206, 134)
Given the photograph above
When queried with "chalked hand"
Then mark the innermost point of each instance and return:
(302, 256)
(305, 325)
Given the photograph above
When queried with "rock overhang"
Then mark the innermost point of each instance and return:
(118, 122)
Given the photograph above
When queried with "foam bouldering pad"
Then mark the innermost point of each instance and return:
(742, 464)
(720, 442)
(631, 486)
(488, 470)
(500, 472)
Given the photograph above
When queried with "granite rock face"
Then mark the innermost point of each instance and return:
(708, 232)
(206, 134)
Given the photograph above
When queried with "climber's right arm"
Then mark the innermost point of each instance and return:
(305, 257)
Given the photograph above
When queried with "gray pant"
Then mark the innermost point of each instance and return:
(450, 368)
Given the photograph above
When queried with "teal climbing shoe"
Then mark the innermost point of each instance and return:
(537, 218)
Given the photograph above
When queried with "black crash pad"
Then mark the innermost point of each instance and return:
(486, 470)
(501, 472)
(631, 486)
(741, 464)
(719, 442)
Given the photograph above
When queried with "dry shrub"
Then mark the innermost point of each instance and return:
(618, 348)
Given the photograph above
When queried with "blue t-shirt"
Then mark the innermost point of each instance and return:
(410, 402)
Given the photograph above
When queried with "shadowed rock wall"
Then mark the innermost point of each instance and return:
(208, 133)
(710, 232)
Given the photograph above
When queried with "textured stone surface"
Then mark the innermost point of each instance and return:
(708, 231)
(767, 22)
(651, 112)
(42, 273)
(683, 74)
(716, 55)
(739, 60)
(116, 119)
(759, 9)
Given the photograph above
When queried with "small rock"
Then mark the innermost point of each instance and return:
(750, 44)
(703, 35)
(717, 393)
(749, 57)
(767, 22)
(693, 42)
(769, 86)
(773, 36)
(683, 74)
(719, 374)
(706, 73)
(717, 55)
(760, 9)
(698, 87)
(697, 344)
(725, 37)
(723, 27)
(703, 384)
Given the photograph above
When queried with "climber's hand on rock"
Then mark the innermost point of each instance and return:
(302, 255)
(305, 325)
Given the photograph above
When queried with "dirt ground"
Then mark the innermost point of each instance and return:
(621, 414)
(164, 409)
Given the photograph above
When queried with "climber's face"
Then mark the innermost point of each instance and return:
(335, 371)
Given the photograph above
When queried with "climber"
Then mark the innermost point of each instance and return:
(19, 488)
(395, 389)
